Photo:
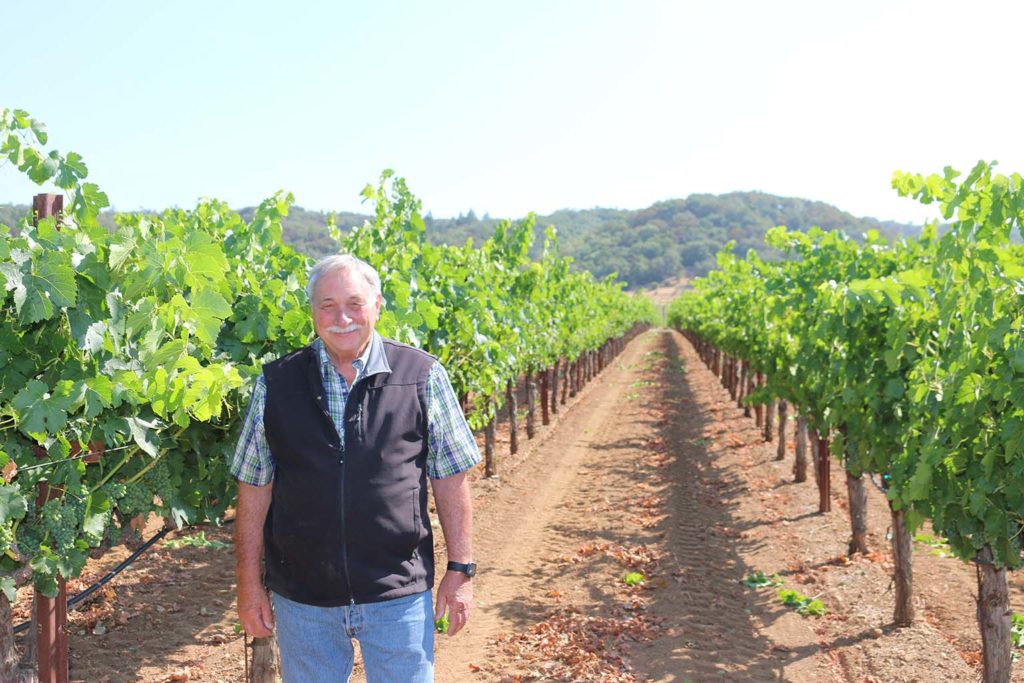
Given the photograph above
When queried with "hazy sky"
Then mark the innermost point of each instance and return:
(506, 108)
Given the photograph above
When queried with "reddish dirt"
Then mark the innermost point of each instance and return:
(651, 469)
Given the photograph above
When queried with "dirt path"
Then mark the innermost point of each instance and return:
(651, 470)
(625, 484)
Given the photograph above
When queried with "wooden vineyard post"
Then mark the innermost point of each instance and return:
(993, 619)
(780, 452)
(824, 480)
(544, 418)
(51, 613)
(52, 618)
(513, 435)
(903, 570)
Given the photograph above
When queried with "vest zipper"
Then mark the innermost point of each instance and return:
(344, 527)
(344, 537)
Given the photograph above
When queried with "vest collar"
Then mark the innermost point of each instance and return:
(373, 361)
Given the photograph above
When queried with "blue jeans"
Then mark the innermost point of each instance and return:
(396, 638)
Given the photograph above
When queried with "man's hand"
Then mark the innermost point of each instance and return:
(454, 596)
(254, 611)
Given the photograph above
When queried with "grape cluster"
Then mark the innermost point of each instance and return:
(159, 482)
(114, 491)
(60, 522)
(6, 536)
(137, 500)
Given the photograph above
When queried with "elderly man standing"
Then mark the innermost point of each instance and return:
(332, 464)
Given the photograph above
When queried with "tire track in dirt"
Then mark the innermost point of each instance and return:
(723, 630)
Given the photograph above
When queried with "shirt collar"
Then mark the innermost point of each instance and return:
(373, 361)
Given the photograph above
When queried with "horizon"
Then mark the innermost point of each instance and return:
(609, 107)
(483, 217)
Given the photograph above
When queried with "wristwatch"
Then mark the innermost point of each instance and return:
(467, 569)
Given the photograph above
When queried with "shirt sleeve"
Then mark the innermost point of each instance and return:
(252, 462)
(451, 447)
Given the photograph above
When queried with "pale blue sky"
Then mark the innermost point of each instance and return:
(506, 108)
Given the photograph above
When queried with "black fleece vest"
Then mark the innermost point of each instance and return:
(348, 526)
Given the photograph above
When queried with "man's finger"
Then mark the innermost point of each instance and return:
(459, 618)
(267, 617)
(441, 607)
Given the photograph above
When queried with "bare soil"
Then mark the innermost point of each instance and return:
(650, 470)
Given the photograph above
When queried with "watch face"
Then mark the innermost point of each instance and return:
(471, 569)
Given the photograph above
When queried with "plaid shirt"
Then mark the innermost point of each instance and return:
(451, 447)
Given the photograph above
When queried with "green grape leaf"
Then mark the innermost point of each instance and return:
(13, 505)
(430, 313)
(120, 252)
(204, 260)
(9, 588)
(97, 513)
(99, 395)
(210, 309)
(140, 430)
(52, 283)
(72, 170)
(44, 572)
(40, 412)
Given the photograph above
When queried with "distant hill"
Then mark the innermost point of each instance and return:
(675, 237)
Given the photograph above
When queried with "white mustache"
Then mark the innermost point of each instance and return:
(334, 329)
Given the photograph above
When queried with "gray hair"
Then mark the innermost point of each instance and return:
(340, 262)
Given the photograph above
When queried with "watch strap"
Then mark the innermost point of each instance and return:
(467, 569)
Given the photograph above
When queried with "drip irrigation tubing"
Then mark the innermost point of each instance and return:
(73, 602)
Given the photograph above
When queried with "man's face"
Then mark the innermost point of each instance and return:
(345, 309)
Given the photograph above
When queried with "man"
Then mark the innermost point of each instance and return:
(332, 464)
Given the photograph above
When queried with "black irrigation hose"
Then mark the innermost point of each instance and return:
(20, 628)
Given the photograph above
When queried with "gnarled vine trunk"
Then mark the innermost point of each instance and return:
(780, 452)
(513, 426)
(11, 667)
(858, 514)
(903, 570)
(800, 463)
(531, 406)
(264, 661)
(994, 619)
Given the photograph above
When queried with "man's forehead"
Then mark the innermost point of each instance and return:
(344, 284)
